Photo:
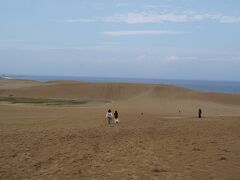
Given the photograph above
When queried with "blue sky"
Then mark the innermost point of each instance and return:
(166, 39)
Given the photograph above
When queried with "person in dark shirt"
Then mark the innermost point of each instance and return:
(199, 113)
(116, 117)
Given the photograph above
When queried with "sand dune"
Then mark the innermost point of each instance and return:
(167, 141)
(110, 91)
(6, 84)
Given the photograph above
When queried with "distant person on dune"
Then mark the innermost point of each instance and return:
(116, 117)
(199, 113)
(109, 116)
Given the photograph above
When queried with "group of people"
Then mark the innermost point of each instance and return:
(110, 116)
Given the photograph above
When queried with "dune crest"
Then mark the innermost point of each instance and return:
(110, 91)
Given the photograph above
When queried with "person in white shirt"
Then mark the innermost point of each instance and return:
(109, 116)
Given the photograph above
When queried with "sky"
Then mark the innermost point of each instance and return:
(160, 39)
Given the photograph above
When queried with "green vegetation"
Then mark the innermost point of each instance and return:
(15, 100)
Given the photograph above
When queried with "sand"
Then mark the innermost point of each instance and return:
(159, 135)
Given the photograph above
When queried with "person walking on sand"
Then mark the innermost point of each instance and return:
(109, 116)
(116, 117)
(199, 113)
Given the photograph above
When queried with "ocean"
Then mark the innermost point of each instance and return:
(209, 86)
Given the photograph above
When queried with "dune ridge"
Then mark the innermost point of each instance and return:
(110, 91)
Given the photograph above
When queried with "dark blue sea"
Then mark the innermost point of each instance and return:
(210, 86)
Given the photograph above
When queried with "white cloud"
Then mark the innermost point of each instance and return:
(235, 58)
(216, 17)
(159, 17)
(134, 18)
(151, 32)
(228, 19)
(172, 58)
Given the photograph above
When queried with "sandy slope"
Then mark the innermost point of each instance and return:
(14, 84)
(51, 142)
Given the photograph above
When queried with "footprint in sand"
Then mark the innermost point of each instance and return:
(159, 170)
(223, 158)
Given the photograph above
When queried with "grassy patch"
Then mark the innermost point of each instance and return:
(15, 100)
